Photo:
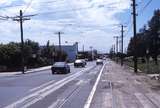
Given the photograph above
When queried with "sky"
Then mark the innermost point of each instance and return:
(88, 22)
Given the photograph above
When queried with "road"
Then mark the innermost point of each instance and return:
(107, 86)
(44, 90)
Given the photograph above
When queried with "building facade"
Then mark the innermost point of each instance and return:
(70, 50)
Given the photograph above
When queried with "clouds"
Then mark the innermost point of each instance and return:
(95, 18)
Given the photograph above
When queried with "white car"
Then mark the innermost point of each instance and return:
(79, 63)
(99, 62)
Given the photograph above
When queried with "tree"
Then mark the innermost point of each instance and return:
(147, 39)
(154, 27)
(48, 53)
(9, 55)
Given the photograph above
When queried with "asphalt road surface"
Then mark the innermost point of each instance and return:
(102, 86)
(44, 90)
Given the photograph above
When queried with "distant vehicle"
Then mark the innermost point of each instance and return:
(99, 62)
(80, 62)
(60, 68)
(104, 58)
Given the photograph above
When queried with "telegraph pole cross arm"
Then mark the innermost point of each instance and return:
(21, 19)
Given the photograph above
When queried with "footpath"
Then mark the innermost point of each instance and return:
(28, 71)
(120, 87)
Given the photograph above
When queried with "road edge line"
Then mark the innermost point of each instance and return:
(90, 97)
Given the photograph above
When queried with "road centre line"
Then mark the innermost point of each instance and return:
(90, 97)
(39, 95)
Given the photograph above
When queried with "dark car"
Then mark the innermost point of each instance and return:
(60, 68)
(79, 63)
(99, 62)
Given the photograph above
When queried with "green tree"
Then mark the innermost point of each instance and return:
(154, 27)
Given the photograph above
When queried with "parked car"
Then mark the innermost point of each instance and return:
(99, 62)
(60, 68)
(79, 63)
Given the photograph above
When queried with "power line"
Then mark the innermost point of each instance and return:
(10, 6)
(143, 9)
(29, 4)
(53, 1)
(53, 12)
(21, 19)
(129, 29)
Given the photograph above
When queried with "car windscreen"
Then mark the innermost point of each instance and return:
(59, 64)
(99, 60)
(78, 61)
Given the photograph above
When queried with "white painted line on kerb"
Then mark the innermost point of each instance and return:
(89, 100)
(42, 93)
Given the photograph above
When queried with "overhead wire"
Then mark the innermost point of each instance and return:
(28, 5)
(143, 8)
(10, 6)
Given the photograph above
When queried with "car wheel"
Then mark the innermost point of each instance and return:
(52, 72)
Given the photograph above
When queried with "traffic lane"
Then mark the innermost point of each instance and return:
(16, 87)
(43, 92)
(103, 97)
(42, 72)
(72, 94)
(42, 76)
(79, 97)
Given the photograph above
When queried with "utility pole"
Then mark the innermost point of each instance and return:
(77, 46)
(91, 52)
(60, 48)
(114, 49)
(21, 19)
(134, 34)
(117, 37)
(83, 48)
(122, 31)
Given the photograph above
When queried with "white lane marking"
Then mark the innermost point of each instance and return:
(41, 86)
(89, 100)
(79, 82)
(38, 95)
(55, 104)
